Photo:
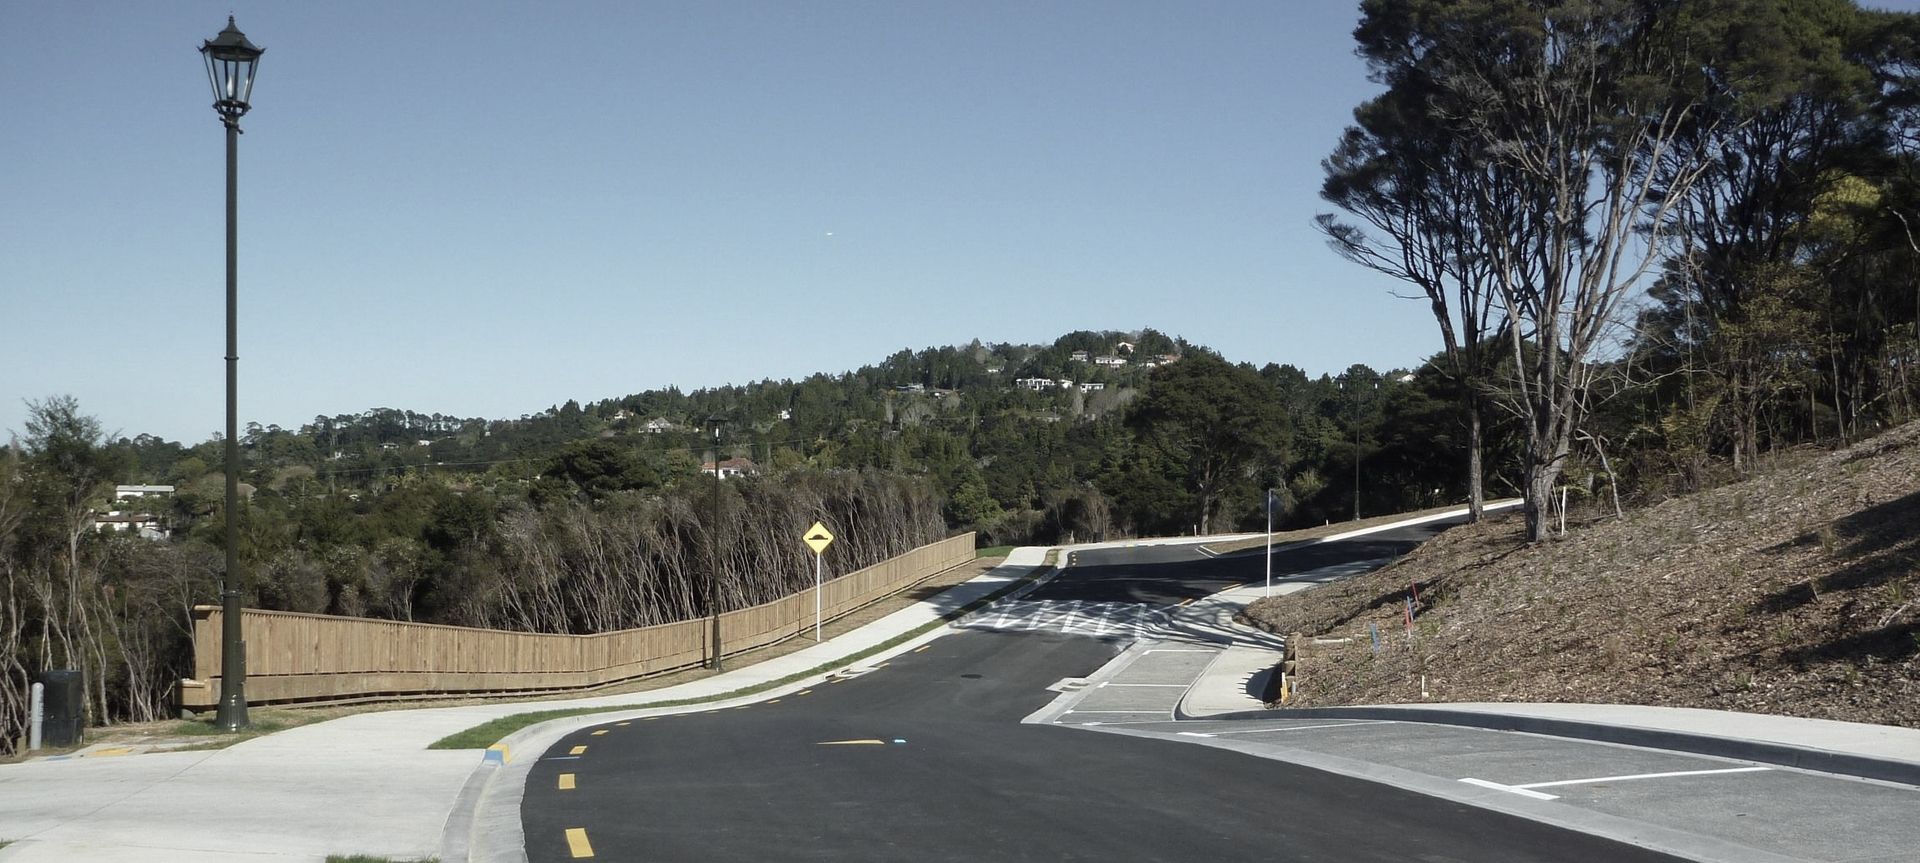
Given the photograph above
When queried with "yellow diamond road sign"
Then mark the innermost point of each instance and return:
(818, 537)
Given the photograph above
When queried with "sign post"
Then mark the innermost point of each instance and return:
(818, 538)
(1270, 542)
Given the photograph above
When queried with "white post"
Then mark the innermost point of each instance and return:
(36, 716)
(1269, 542)
(816, 597)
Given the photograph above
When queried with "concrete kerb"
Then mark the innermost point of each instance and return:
(1760, 751)
(484, 824)
(1764, 752)
(1209, 605)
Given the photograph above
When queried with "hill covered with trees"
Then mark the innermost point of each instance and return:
(593, 517)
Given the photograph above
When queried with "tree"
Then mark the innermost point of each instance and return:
(1212, 418)
(1427, 203)
(1592, 111)
(601, 467)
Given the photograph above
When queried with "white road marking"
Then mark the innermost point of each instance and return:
(1644, 776)
(1154, 712)
(1513, 789)
(1173, 685)
(1288, 728)
(1071, 617)
(1526, 790)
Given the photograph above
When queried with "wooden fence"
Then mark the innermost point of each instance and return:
(316, 658)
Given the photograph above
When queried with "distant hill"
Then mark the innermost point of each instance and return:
(1796, 592)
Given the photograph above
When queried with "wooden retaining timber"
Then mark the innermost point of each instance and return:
(317, 658)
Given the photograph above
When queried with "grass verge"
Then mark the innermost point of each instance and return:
(261, 722)
(493, 731)
(368, 858)
(993, 551)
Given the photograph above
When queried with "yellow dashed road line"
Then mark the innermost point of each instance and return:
(625, 724)
(804, 692)
(566, 782)
(577, 750)
(600, 732)
(921, 647)
(577, 842)
(775, 701)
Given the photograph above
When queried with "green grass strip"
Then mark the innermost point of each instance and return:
(368, 858)
(993, 551)
(495, 730)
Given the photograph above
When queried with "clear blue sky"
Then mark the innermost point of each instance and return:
(484, 209)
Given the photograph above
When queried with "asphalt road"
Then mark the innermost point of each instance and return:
(1168, 574)
(945, 771)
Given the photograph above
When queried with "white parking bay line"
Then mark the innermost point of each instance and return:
(1173, 685)
(1643, 776)
(1513, 789)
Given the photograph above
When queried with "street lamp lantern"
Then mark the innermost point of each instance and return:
(231, 61)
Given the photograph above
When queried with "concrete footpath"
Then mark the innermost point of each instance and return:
(367, 783)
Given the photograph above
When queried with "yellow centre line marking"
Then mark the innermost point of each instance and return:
(577, 750)
(775, 701)
(600, 732)
(881, 665)
(566, 782)
(866, 742)
(648, 719)
(805, 692)
(921, 647)
(577, 842)
(623, 724)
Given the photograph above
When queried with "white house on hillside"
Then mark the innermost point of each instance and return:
(731, 468)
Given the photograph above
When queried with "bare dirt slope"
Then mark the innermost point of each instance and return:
(1795, 592)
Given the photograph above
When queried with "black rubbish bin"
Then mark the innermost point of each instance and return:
(66, 709)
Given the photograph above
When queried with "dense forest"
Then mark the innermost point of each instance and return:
(1716, 262)
(586, 518)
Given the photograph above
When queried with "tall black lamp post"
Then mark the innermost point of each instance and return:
(713, 547)
(231, 61)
